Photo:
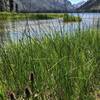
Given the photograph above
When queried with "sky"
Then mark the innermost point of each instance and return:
(76, 1)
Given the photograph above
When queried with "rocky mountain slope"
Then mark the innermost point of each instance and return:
(79, 4)
(90, 5)
(45, 5)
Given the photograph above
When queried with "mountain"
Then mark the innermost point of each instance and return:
(79, 4)
(90, 5)
(45, 5)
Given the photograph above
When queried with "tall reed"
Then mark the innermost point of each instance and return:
(66, 68)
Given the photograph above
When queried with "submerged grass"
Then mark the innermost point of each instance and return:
(54, 68)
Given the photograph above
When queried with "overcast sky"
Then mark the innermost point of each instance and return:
(76, 1)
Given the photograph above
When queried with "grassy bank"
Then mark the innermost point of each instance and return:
(37, 16)
(54, 68)
(70, 18)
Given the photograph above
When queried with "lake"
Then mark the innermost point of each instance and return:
(14, 30)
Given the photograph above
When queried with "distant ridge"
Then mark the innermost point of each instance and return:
(79, 4)
(45, 5)
(90, 6)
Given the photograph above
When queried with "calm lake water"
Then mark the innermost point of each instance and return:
(14, 30)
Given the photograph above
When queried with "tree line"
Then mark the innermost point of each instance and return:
(6, 5)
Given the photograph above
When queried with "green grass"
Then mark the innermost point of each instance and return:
(37, 16)
(70, 18)
(62, 67)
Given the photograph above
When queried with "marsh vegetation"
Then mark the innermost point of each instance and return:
(37, 16)
(58, 66)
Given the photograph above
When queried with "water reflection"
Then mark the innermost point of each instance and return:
(14, 30)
